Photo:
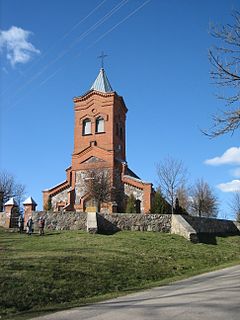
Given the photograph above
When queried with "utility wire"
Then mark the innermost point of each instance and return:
(82, 36)
(97, 40)
(118, 24)
(54, 45)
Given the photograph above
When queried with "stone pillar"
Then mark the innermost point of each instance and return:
(92, 226)
(29, 206)
(8, 209)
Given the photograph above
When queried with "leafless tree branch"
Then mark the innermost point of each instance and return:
(204, 202)
(10, 188)
(225, 62)
(235, 205)
(171, 175)
(98, 185)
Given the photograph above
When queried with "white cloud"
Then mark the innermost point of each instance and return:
(231, 186)
(235, 173)
(18, 48)
(231, 156)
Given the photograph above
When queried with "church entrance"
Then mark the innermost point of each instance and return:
(91, 205)
(14, 218)
(138, 206)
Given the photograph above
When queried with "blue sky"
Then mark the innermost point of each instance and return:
(157, 60)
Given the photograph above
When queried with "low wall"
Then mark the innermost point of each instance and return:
(181, 227)
(3, 219)
(106, 222)
(187, 226)
(134, 222)
(61, 220)
(213, 226)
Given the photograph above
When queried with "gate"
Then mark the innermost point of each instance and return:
(13, 222)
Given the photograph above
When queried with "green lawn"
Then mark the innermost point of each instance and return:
(70, 268)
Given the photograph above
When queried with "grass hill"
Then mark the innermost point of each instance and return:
(70, 268)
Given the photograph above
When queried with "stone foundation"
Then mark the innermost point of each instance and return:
(61, 220)
(213, 226)
(4, 220)
(187, 226)
(134, 222)
(67, 220)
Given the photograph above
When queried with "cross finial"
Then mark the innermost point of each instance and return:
(102, 56)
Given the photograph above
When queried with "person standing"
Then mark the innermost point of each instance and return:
(41, 224)
(20, 223)
(30, 226)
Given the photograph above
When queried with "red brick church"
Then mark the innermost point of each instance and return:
(99, 143)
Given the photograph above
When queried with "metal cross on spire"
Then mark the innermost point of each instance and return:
(102, 56)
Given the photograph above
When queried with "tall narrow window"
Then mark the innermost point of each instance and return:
(121, 133)
(117, 129)
(99, 125)
(86, 126)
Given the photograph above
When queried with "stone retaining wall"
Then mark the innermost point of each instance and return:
(61, 220)
(3, 219)
(181, 227)
(213, 226)
(106, 222)
(134, 222)
(184, 225)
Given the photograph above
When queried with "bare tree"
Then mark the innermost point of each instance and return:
(171, 175)
(183, 197)
(98, 185)
(204, 203)
(235, 205)
(225, 61)
(10, 188)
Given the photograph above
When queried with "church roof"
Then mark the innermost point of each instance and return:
(102, 83)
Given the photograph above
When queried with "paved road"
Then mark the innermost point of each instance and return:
(215, 295)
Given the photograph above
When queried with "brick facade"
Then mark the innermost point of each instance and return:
(99, 143)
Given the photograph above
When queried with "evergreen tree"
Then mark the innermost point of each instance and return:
(131, 204)
(160, 205)
(178, 208)
(184, 200)
(48, 205)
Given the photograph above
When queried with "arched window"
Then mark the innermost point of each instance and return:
(86, 127)
(99, 125)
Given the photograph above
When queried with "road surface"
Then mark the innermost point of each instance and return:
(211, 296)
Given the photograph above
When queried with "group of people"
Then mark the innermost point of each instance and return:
(29, 225)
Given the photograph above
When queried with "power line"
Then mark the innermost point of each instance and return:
(64, 52)
(117, 24)
(55, 44)
(102, 20)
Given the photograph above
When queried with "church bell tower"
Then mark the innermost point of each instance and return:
(100, 117)
(99, 145)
